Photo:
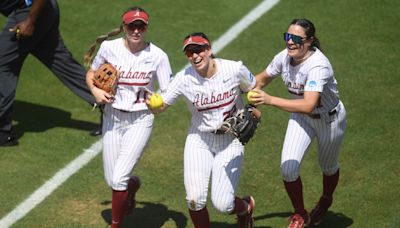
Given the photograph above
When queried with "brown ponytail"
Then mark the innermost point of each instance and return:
(88, 58)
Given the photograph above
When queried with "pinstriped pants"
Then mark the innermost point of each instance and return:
(329, 132)
(218, 157)
(125, 135)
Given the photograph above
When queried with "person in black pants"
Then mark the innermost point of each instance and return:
(32, 27)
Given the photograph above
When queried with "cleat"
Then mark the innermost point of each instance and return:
(133, 187)
(320, 210)
(247, 220)
(298, 221)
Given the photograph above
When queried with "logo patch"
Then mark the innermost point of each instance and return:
(312, 84)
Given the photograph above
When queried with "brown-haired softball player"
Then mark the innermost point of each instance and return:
(127, 121)
(316, 112)
(212, 88)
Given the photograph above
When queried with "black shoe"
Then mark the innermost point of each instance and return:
(6, 139)
(96, 131)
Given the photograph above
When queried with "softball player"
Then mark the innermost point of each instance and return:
(212, 88)
(127, 121)
(316, 112)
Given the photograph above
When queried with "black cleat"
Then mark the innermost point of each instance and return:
(96, 131)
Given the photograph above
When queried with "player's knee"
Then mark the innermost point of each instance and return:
(195, 204)
(290, 170)
(223, 204)
(330, 170)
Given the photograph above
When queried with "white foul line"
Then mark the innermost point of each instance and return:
(47, 188)
(74, 166)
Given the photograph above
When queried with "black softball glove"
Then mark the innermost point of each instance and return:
(243, 124)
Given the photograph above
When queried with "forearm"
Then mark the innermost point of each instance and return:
(292, 105)
(262, 79)
(89, 80)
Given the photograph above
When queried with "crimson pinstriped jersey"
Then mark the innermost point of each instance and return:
(137, 72)
(211, 100)
(314, 74)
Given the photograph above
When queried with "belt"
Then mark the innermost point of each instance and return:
(318, 116)
(219, 132)
(120, 110)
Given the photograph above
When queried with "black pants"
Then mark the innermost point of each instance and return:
(47, 45)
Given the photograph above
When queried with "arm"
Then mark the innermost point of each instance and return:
(263, 79)
(304, 105)
(27, 26)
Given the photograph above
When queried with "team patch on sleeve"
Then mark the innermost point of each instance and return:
(312, 84)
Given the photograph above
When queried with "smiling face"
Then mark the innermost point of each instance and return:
(297, 42)
(200, 57)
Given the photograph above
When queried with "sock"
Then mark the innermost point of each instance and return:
(240, 206)
(295, 192)
(200, 218)
(118, 207)
(329, 184)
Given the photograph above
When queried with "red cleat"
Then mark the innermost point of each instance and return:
(298, 221)
(247, 220)
(320, 210)
(133, 187)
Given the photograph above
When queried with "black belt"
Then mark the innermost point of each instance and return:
(122, 110)
(318, 116)
(219, 132)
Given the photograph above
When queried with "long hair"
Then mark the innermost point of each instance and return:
(88, 57)
(309, 29)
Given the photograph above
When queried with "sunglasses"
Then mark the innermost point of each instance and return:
(133, 27)
(294, 38)
(194, 50)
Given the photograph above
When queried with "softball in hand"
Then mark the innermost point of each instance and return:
(249, 95)
(155, 101)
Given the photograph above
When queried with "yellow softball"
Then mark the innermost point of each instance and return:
(155, 101)
(249, 94)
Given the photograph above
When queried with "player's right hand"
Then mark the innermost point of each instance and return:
(101, 96)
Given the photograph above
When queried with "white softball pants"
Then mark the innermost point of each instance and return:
(125, 135)
(219, 156)
(329, 131)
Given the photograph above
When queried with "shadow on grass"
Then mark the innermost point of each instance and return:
(335, 220)
(155, 215)
(38, 118)
(150, 215)
(330, 220)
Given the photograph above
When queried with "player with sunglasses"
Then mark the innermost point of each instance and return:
(212, 88)
(128, 122)
(316, 112)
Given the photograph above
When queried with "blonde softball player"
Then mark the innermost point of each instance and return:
(212, 88)
(316, 112)
(127, 121)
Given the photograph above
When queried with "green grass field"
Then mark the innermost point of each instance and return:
(357, 36)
